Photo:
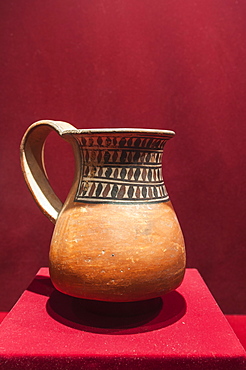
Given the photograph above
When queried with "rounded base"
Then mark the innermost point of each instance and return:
(117, 253)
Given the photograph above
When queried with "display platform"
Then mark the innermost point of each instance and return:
(183, 330)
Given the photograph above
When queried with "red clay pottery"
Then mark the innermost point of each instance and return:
(116, 237)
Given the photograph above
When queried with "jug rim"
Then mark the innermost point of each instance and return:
(158, 132)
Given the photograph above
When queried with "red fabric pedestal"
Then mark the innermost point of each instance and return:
(238, 324)
(3, 315)
(185, 329)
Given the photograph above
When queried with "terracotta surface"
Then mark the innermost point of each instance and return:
(116, 237)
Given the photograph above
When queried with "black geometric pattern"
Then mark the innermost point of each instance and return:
(121, 169)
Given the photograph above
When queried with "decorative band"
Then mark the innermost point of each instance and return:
(134, 174)
(121, 169)
(93, 191)
(114, 141)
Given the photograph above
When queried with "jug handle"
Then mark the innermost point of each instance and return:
(32, 163)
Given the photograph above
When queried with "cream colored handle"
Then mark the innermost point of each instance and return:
(32, 162)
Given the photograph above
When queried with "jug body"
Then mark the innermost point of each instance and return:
(117, 237)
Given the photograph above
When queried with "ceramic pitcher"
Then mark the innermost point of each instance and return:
(116, 237)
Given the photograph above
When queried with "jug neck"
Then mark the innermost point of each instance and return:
(121, 167)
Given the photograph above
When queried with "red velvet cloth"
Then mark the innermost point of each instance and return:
(3, 315)
(238, 324)
(49, 330)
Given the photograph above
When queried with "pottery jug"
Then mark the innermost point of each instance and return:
(116, 237)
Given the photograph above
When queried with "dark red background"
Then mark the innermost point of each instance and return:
(168, 64)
